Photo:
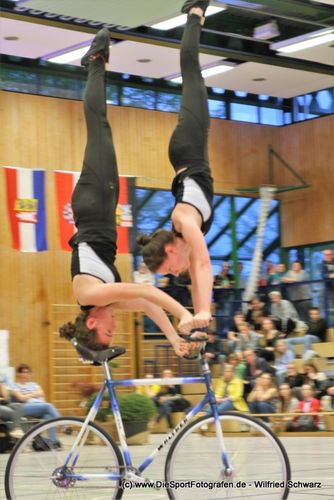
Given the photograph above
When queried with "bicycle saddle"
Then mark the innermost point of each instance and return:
(97, 357)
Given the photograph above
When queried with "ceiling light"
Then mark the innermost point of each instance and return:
(68, 57)
(144, 60)
(304, 42)
(207, 72)
(174, 22)
(11, 38)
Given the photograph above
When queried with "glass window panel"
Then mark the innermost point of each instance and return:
(18, 81)
(138, 98)
(247, 249)
(55, 85)
(223, 246)
(240, 202)
(154, 211)
(248, 220)
(244, 112)
(217, 109)
(240, 93)
(222, 217)
(112, 95)
(168, 102)
(271, 116)
(287, 118)
(325, 100)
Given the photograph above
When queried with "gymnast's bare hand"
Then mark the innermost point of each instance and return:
(201, 319)
(181, 347)
(186, 323)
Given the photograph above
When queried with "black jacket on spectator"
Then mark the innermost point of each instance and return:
(327, 268)
(295, 380)
(318, 328)
(213, 348)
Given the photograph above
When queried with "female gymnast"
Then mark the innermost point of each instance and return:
(184, 247)
(96, 281)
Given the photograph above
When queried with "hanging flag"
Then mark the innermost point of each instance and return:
(65, 184)
(26, 208)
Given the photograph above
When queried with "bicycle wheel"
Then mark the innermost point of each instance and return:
(259, 463)
(37, 468)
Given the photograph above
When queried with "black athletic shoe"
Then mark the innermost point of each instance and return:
(99, 47)
(189, 4)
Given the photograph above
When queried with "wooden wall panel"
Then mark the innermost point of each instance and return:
(308, 214)
(49, 133)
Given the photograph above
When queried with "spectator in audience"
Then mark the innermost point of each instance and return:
(287, 402)
(283, 313)
(245, 338)
(212, 351)
(229, 392)
(282, 358)
(275, 278)
(10, 413)
(317, 326)
(182, 288)
(317, 331)
(294, 379)
(143, 275)
(236, 360)
(236, 321)
(327, 271)
(300, 295)
(32, 396)
(263, 397)
(148, 390)
(222, 295)
(316, 379)
(169, 400)
(327, 401)
(308, 404)
(257, 311)
(255, 366)
(270, 335)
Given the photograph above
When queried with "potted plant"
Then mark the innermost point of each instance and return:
(136, 411)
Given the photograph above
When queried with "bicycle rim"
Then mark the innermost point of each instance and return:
(35, 468)
(259, 463)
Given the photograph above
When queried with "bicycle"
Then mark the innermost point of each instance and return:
(90, 465)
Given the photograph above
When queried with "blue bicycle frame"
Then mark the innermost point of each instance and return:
(110, 384)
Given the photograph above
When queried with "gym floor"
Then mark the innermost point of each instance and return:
(311, 460)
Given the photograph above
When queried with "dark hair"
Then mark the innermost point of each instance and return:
(313, 308)
(153, 249)
(23, 367)
(79, 331)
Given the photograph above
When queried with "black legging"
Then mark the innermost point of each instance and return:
(95, 197)
(189, 141)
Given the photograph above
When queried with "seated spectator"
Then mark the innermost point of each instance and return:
(212, 351)
(327, 401)
(294, 379)
(169, 400)
(316, 379)
(236, 360)
(10, 413)
(327, 272)
(32, 396)
(287, 402)
(283, 313)
(282, 358)
(148, 390)
(182, 288)
(270, 335)
(263, 397)
(229, 392)
(236, 321)
(308, 404)
(299, 295)
(222, 295)
(255, 366)
(256, 312)
(244, 339)
(317, 326)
